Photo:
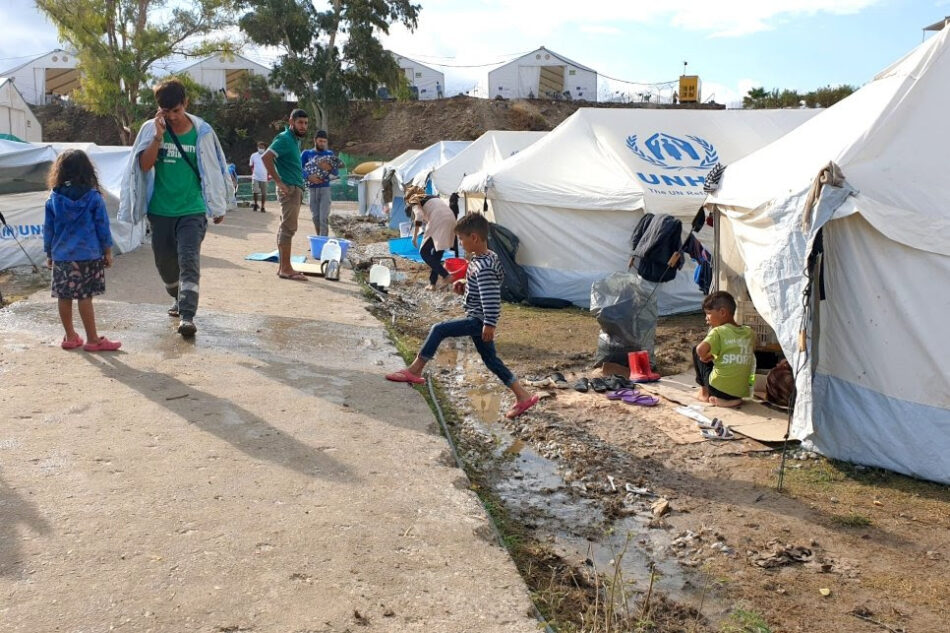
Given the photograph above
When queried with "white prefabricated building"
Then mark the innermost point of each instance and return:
(16, 118)
(223, 73)
(543, 74)
(429, 82)
(43, 78)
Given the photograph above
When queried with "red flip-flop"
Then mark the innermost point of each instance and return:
(521, 407)
(72, 344)
(404, 375)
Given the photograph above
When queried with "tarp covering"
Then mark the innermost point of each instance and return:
(417, 169)
(485, 152)
(24, 166)
(873, 388)
(574, 197)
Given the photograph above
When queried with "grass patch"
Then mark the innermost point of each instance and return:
(745, 621)
(851, 520)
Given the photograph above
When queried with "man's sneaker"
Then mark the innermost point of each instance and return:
(186, 327)
(254, 207)
(173, 311)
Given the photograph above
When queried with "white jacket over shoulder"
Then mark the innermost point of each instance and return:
(216, 187)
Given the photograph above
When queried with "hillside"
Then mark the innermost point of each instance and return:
(378, 130)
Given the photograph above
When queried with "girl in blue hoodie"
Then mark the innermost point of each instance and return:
(78, 246)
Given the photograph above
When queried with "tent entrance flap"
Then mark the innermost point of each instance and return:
(551, 81)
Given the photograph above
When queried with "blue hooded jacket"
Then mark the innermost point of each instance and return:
(77, 225)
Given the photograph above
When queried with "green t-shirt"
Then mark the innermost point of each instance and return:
(286, 149)
(733, 358)
(177, 190)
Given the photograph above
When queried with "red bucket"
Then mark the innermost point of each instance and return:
(456, 267)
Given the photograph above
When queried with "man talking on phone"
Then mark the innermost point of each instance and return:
(178, 176)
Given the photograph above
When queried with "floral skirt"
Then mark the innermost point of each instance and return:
(78, 280)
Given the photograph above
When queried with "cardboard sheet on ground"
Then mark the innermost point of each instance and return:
(308, 268)
(273, 257)
(753, 420)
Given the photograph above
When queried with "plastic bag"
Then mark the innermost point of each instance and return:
(624, 305)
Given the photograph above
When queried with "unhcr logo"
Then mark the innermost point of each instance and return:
(34, 231)
(671, 152)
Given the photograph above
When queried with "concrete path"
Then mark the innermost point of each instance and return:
(262, 478)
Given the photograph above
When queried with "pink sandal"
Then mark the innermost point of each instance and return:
(104, 345)
(521, 407)
(72, 344)
(404, 375)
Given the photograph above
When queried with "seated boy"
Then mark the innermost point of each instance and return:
(482, 302)
(725, 359)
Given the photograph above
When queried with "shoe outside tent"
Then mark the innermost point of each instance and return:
(574, 197)
(23, 195)
(841, 230)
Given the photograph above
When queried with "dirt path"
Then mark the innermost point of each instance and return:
(261, 478)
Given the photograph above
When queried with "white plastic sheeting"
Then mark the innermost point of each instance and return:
(371, 202)
(416, 170)
(485, 152)
(25, 212)
(873, 388)
(574, 197)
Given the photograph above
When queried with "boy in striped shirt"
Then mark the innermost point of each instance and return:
(482, 301)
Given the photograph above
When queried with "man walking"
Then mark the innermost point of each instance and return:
(319, 164)
(259, 176)
(178, 175)
(282, 160)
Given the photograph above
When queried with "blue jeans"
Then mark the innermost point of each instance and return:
(469, 326)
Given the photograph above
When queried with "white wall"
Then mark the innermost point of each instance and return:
(16, 117)
(212, 73)
(519, 79)
(426, 79)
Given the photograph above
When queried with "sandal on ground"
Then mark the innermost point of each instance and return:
(641, 399)
(721, 433)
(72, 344)
(295, 276)
(521, 407)
(104, 345)
(598, 385)
(582, 385)
(559, 381)
(620, 394)
(404, 375)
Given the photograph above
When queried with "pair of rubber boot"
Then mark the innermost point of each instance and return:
(640, 369)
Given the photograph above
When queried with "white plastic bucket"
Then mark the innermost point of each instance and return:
(379, 276)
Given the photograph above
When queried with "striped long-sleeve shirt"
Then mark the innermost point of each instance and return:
(483, 288)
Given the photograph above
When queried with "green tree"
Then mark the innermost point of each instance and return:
(118, 41)
(758, 98)
(330, 56)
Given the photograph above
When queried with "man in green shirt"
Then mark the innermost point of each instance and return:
(188, 179)
(282, 160)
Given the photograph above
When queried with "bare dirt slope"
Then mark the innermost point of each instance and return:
(261, 478)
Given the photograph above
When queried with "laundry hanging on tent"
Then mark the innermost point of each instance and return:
(703, 258)
(655, 241)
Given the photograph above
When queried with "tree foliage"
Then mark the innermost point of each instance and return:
(118, 41)
(758, 98)
(330, 56)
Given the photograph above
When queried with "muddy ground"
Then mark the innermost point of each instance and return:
(573, 486)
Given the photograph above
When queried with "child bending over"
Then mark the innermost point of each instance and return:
(725, 359)
(482, 301)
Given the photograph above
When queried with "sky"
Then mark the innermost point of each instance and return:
(733, 45)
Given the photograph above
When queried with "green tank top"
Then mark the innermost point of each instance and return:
(177, 190)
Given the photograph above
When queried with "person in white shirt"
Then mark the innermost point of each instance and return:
(259, 176)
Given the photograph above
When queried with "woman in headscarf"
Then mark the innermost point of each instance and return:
(439, 221)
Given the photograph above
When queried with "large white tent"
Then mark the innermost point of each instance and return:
(575, 196)
(416, 170)
(223, 72)
(429, 82)
(46, 77)
(485, 152)
(23, 168)
(874, 386)
(370, 188)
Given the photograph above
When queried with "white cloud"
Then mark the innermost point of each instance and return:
(600, 29)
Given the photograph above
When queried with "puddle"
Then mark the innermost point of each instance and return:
(536, 494)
